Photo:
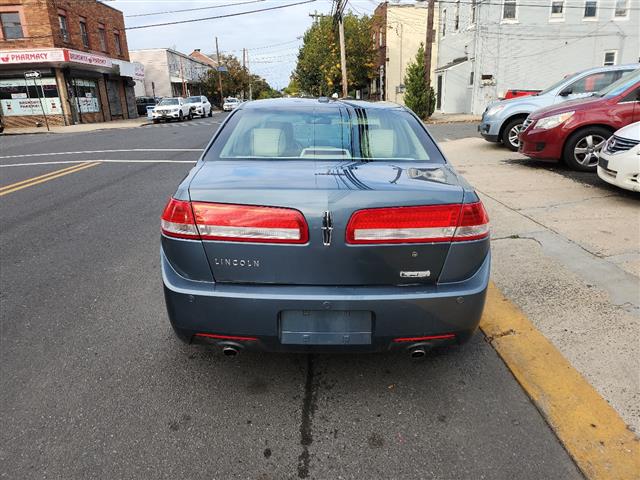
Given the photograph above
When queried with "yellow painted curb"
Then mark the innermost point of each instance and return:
(589, 428)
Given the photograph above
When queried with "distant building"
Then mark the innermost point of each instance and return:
(169, 73)
(79, 50)
(398, 31)
(488, 48)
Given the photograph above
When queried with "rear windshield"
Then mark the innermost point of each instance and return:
(324, 133)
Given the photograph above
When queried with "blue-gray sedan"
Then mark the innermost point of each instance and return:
(321, 225)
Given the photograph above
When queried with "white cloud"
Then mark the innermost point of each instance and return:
(253, 31)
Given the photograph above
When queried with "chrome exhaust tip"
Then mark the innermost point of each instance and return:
(417, 353)
(230, 351)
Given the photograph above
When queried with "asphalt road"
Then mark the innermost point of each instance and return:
(94, 384)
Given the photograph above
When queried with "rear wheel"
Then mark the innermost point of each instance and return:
(582, 149)
(510, 134)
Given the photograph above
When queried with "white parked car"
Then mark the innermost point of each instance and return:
(230, 103)
(171, 108)
(200, 106)
(619, 162)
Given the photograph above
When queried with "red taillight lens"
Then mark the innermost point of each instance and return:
(177, 220)
(234, 223)
(423, 224)
(245, 223)
(474, 223)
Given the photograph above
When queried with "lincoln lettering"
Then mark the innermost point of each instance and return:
(236, 262)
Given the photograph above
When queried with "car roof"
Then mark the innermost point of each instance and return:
(608, 68)
(314, 102)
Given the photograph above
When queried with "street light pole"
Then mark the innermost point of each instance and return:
(429, 44)
(343, 58)
(219, 74)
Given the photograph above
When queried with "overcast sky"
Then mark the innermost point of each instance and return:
(272, 37)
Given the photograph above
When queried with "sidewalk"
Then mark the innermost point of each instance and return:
(85, 127)
(452, 118)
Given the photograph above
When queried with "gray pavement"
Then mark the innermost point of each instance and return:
(94, 384)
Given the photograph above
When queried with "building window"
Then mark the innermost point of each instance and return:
(590, 9)
(557, 9)
(610, 57)
(456, 16)
(380, 39)
(118, 45)
(473, 12)
(83, 32)
(444, 22)
(103, 38)
(621, 9)
(471, 78)
(509, 10)
(11, 26)
(64, 29)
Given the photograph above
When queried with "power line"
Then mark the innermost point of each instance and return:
(192, 9)
(177, 22)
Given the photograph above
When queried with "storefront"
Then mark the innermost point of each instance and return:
(73, 87)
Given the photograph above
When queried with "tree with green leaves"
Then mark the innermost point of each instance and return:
(417, 96)
(317, 71)
(236, 80)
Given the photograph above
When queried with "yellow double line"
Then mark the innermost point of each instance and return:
(30, 182)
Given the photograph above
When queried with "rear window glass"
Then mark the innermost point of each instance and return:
(323, 133)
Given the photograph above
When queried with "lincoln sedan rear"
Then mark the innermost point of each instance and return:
(321, 225)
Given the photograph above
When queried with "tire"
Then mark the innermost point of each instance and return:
(211, 112)
(180, 117)
(510, 134)
(156, 121)
(190, 115)
(581, 150)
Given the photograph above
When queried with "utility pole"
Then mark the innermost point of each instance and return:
(338, 17)
(244, 70)
(429, 43)
(343, 59)
(219, 73)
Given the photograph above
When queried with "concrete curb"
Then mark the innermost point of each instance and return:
(590, 429)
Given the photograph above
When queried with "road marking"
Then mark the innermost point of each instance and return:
(589, 428)
(30, 182)
(64, 162)
(25, 155)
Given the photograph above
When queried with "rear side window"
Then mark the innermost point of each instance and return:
(324, 133)
(596, 81)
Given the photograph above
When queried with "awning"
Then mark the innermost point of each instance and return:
(451, 64)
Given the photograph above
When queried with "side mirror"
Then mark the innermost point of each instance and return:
(565, 92)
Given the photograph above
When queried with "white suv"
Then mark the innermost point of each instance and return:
(171, 108)
(199, 106)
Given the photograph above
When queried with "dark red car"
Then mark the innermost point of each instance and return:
(576, 130)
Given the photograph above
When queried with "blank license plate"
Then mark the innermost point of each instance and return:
(325, 327)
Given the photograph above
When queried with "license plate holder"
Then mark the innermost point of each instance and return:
(603, 163)
(326, 327)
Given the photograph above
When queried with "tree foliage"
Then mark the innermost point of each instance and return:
(417, 97)
(318, 68)
(236, 80)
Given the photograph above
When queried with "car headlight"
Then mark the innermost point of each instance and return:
(546, 123)
(493, 110)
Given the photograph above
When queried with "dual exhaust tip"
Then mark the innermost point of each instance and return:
(416, 352)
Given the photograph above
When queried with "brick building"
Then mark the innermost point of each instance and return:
(80, 50)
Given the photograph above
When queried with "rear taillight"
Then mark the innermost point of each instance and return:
(423, 224)
(234, 223)
(177, 220)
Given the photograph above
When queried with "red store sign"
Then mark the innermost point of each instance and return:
(31, 56)
(9, 57)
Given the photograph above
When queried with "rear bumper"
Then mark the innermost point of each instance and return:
(254, 310)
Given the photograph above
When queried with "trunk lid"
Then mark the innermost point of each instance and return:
(314, 188)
